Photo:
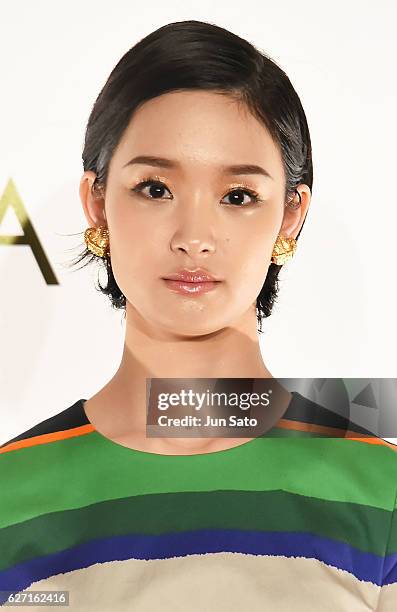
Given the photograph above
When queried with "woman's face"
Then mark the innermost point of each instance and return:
(196, 212)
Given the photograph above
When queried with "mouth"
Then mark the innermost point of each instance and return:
(191, 288)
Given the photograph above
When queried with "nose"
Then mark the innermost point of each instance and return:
(195, 233)
(193, 246)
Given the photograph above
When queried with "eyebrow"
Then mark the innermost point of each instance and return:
(162, 162)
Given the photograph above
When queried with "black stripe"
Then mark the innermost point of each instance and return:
(307, 411)
(71, 417)
(300, 409)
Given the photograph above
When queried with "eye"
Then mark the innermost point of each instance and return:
(238, 194)
(155, 191)
(156, 188)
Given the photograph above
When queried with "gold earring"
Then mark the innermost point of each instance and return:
(284, 247)
(283, 250)
(97, 240)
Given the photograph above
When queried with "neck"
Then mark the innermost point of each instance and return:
(150, 352)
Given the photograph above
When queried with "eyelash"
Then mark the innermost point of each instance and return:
(155, 181)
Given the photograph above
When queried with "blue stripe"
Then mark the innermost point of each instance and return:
(364, 565)
(390, 569)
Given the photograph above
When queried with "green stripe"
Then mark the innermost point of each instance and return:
(363, 527)
(82, 470)
(392, 543)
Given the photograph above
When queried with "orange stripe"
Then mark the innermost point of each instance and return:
(50, 437)
(282, 423)
(333, 432)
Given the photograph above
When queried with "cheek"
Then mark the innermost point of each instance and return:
(134, 227)
(251, 263)
(137, 252)
(252, 256)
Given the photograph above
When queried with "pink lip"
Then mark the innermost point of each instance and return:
(200, 275)
(192, 289)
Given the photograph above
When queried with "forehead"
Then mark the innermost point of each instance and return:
(199, 128)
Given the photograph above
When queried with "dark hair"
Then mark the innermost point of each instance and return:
(189, 55)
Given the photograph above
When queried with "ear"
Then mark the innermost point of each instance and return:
(293, 219)
(93, 203)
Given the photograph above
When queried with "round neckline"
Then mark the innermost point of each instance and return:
(137, 451)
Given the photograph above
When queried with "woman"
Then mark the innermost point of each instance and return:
(197, 182)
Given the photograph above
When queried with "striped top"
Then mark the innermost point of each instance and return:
(300, 517)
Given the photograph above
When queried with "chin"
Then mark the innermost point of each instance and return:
(191, 328)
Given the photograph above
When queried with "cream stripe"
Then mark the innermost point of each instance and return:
(216, 582)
